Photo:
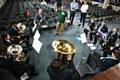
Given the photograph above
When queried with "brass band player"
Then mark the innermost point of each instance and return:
(102, 31)
(112, 36)
(16, 69)
(110, 41)
(91, 30)
(65, 50)
(40, 17)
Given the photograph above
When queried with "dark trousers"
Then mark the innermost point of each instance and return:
(93, 36)
(106, 63)
(86, 32)
(72, 15)
(82, 18)
(20, 69)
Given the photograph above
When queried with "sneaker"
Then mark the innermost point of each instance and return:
(34, 74)
(24, 76)
(79, 25)
(56, 33)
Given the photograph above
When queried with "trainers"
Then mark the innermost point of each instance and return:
(56, 33)
(79, 25)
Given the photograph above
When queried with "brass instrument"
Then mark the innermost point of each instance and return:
(63, 46)
(20, 57)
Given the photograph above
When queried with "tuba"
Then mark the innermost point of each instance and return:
(63, 47)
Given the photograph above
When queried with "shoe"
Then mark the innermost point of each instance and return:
(79, 25)
(56, 33)
(34, 74)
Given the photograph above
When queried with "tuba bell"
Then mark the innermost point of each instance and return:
(63, 46)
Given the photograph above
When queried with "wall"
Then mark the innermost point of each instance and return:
(2, 2)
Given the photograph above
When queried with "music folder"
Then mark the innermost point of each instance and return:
(83, 38)
(37, 45)
(37, 35)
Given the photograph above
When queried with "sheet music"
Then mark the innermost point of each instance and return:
(92, 47)
(36, 35)
(78, 38)
(83, 38)
(90, 44)
(37, 45)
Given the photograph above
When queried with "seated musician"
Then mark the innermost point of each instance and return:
(116, 47)
(57, 71)
(91, 26)
(109, 7)
(102, 31)
(17, 36)
(7, 40)
(5, 74)
(112, 37)
(109, 61)
(40, 17)
(109, 42)
(33, 27)
(27, 13)
(102, 28)
(13, 30)
(16, 68)
(43, 3)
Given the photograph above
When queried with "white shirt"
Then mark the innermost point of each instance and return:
(84, 8)
(43, 3)
(73, 6)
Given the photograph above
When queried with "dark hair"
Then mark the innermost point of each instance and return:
(3, 50)
(4, 35)
(116, 53)
(55, 64)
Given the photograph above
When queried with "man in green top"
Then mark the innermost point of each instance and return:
(61, 18)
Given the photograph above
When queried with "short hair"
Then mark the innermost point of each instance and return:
(4, 35)
(55, 63)
(116, 53)
(3, 50)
